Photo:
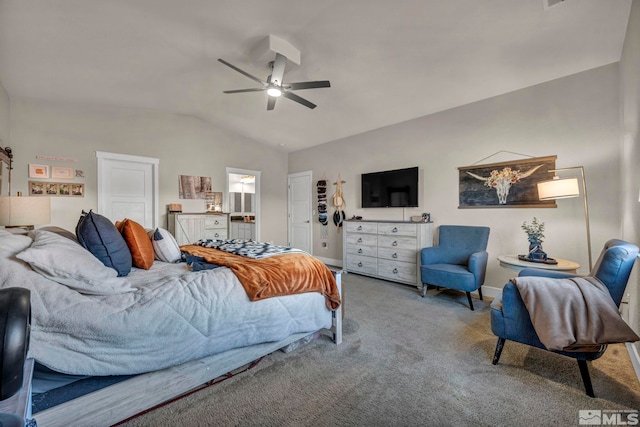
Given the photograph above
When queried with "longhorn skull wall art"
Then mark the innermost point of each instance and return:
(505, 185)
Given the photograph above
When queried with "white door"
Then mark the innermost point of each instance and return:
(300, 230)
(128, 188)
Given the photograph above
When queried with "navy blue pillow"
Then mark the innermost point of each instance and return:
(101, 237)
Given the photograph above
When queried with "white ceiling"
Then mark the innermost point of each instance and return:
(388, 61)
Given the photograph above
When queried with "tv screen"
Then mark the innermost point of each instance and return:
(390, 189)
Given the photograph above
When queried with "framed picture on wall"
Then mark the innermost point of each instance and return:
(38, 171)
(77, 190)
(51, 189)
(36, 188)
(61, 172)
(510, 184)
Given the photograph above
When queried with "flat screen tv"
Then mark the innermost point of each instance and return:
(390, 189)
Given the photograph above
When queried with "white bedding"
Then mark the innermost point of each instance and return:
(173, 316)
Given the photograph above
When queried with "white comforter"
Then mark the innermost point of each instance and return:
(173, 316)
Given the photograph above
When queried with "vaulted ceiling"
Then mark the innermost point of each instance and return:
(388, 61)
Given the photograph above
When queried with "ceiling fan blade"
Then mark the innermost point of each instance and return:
(244, 73)
(292, 96)
(278, 69)
(244, 90)
(308, 85)
(271, 102)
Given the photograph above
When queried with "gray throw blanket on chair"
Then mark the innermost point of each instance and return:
(573, 314)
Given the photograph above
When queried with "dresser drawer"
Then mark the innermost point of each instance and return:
(394, 254)
(397, 242)
(395, 270)
(362, 264)
(398, 229)
(356, 249)
(361, 227)
(215, 222)
(215, 233)
(362, 239)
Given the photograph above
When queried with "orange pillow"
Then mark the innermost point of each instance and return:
(138, 242)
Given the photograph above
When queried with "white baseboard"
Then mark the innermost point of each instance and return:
(635, 358)
(330, 261)
(489, 291)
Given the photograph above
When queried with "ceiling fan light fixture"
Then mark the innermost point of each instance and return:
(274, 91)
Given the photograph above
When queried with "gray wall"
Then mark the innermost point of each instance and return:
(185, 146)
(575, 118)
(630, 106)
(5, 116)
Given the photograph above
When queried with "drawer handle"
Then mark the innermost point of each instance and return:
(395, 255)
(217, 235)
(395, 230)
(359, 251)
(394, 243)
(359, 264)
(395, 271)
(359, 227)
(360, 240)
(217, 222)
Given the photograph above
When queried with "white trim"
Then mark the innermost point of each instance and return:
(635, 358)
(225, 202)
(308, 174)
(330, 261)
(490, 291)
(103, 155)
(126, 157)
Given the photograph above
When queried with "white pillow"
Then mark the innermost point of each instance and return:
(64, 261)
(164, 245)
(11, 244)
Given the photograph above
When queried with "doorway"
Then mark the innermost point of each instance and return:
(300, 209)
(128, 188)
(242, 201)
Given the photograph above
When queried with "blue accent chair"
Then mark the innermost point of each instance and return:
(510, 319)
(458, 262)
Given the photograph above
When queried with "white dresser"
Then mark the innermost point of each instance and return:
(388, 250)
(188, 228)
(242, 230)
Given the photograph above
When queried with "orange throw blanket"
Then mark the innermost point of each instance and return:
(278, 275)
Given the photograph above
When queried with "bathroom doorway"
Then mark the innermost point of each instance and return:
(242, 196)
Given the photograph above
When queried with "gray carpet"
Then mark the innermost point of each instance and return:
(408, 361)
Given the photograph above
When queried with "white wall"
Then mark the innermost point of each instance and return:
(185, 146)
(575, 118)
(630, 102)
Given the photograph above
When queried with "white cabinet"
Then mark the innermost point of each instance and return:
(188, 228)
(242, 230)
(387, 250)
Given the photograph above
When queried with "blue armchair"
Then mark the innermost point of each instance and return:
(458, 262)
(510, 319)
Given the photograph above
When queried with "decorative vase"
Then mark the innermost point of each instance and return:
(535, 251)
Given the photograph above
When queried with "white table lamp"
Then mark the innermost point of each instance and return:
(24, 212)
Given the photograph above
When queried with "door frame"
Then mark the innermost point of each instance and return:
(255, 173)
(308, 174)
(103, 156)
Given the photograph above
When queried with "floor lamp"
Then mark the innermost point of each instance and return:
(564, 188)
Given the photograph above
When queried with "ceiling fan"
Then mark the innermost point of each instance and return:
(274, 85)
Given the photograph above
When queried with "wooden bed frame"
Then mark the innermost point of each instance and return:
(125, 399)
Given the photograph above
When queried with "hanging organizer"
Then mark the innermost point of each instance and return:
(321, 188)
(338, 203)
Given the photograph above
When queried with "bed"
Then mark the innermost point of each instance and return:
(170, 327)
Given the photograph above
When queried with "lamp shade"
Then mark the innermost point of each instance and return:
(24, 211)
(558, 188)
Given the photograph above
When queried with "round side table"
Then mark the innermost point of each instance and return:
(512, 262)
